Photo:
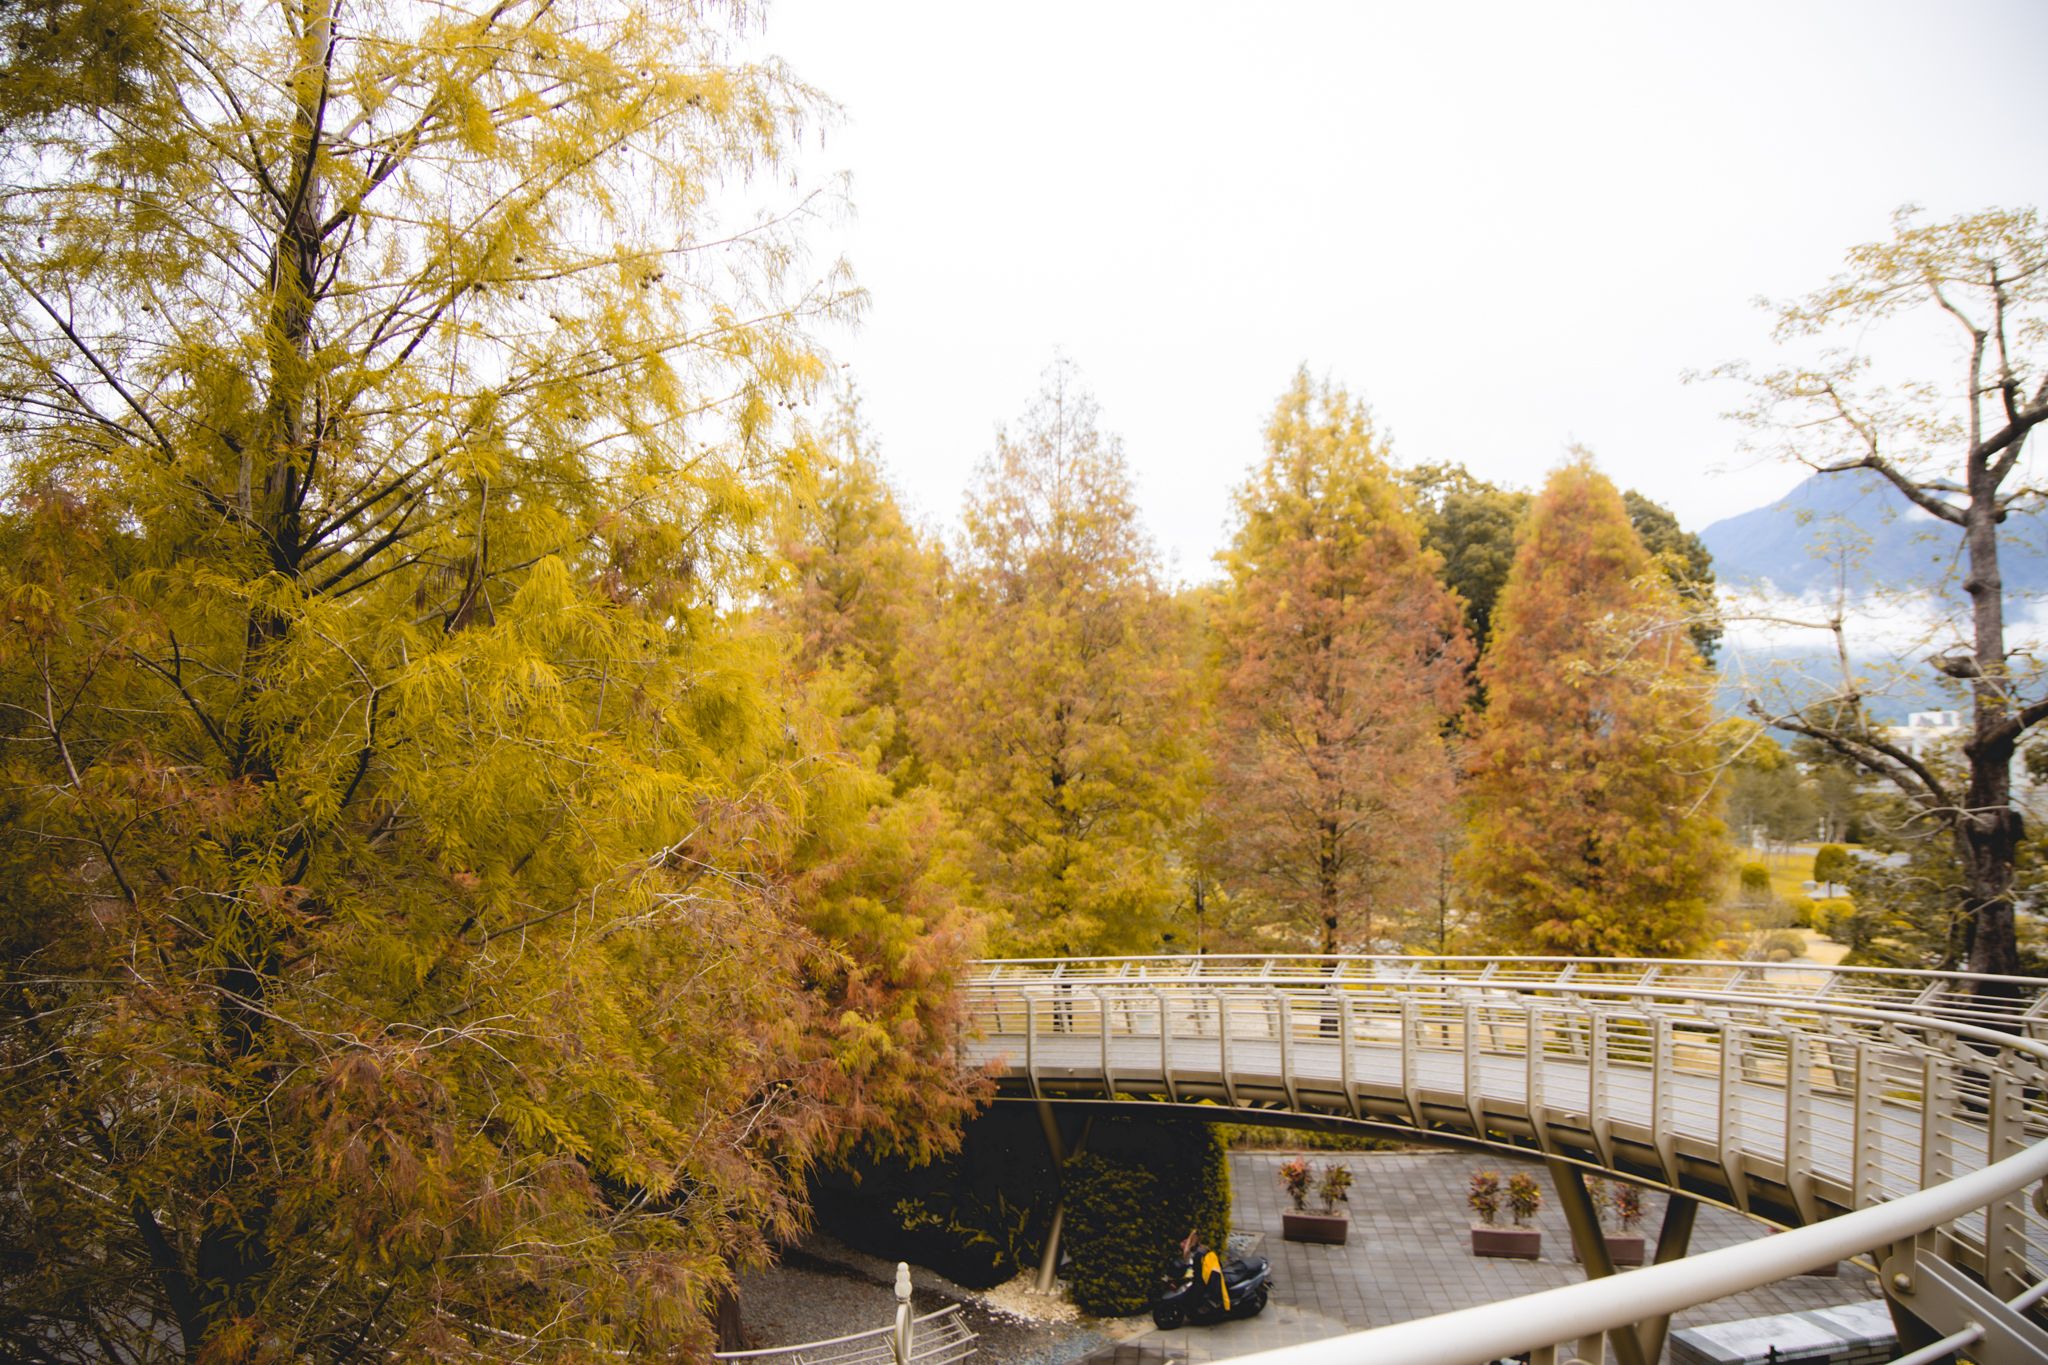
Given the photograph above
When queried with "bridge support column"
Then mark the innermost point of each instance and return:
(1591, 1243)
(1674, 1239)
(1055, 1142)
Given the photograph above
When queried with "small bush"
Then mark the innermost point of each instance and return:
(1805, 913)
(1131, 1197)
(1628, 1206)
(1483, 1195)
(1755, 880)
(1294, 1180)
(1832, 863)
(1335, 1186)
(1525, 1196)
(1787, 942)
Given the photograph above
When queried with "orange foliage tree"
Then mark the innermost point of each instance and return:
(1594, 820)
(1341, 660)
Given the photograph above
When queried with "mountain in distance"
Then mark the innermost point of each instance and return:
(1858, 524)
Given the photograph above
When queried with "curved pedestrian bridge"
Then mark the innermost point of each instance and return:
(1893, 1114)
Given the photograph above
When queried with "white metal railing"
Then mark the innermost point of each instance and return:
(1892, 1112)
(940, 1338)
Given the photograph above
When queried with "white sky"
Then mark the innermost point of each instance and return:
(1508, 226)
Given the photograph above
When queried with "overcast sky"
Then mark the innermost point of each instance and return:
(1508, 226)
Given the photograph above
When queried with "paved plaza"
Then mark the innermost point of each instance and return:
(1409, 1256)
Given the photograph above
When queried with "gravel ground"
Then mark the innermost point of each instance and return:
(824, 1289)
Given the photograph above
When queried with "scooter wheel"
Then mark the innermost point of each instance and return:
(1256, 1304)
(1165, 1318)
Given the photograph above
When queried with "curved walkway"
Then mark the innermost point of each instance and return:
(1793, 1092)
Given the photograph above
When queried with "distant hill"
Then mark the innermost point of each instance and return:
(1794, 544)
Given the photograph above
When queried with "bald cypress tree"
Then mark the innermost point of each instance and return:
(1594, 827)
(1341, 659)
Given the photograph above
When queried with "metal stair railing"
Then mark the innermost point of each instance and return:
(1891, 1113)
(940, 1338)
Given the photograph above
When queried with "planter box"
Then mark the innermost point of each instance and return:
(1522, 1244)
(1328, 1229)
(1623, 1248)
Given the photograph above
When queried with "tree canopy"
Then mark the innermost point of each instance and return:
(432, 926)
(1341, 660)
(1594, 828)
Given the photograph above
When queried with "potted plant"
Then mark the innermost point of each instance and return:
(1483, 1196)
(1523, 1199)
(1625, 1203)
(1328, 1226)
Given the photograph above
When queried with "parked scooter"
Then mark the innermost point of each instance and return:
(1237, 1288)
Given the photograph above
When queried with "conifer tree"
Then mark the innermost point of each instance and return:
(428, 931)
(1051, 699)
(1594, 830)
(861, 582)
(1342, 659)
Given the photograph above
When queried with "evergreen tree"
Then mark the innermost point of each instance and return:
(1341, 661)
(1050, 696)
(1594, 830)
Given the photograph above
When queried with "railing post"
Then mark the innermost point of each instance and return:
(1597, 1117)
(901, 1343)
(1799, 1126)
(1532, 1079)
(1102, 1028)
(1223, 1048)
(1475, 1095)
(1730, 1135)
(1031, 1042)
(1165, 1049)
(1866, 1142)
(1284, 1008)
(1411, 1068)
(1663, 1097)
(2005, 1221)
(1344, 1053)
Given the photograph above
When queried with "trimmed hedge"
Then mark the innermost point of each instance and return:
(977, 1217)
(1131, 1196)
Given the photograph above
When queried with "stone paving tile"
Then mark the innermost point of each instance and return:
(1409, 1256)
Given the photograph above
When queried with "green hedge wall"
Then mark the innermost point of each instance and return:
(1132, 1194)
(977, 1217)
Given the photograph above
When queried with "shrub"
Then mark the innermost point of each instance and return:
(1601, 1198)
(1628, 1206)
(1805, 914)
(1483, 1194)
(1524, 1197)
(1335, 1186)
(1755, 880)
(1294, 1180)
(1131, 1197)
(977, 1217)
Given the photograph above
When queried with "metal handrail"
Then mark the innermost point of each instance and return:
(1853, 1056)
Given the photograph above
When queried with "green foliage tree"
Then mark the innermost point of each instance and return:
(1593, 828)
(1469, 524)
(1832, 864)
(1341, 661)
(1050, 696)
(1956, 453)
(1768, 799)
(1686, 561)
(429, 930)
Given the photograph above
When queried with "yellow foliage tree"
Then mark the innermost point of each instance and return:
(1594, 827)
(428, 930)
(1051, 699)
